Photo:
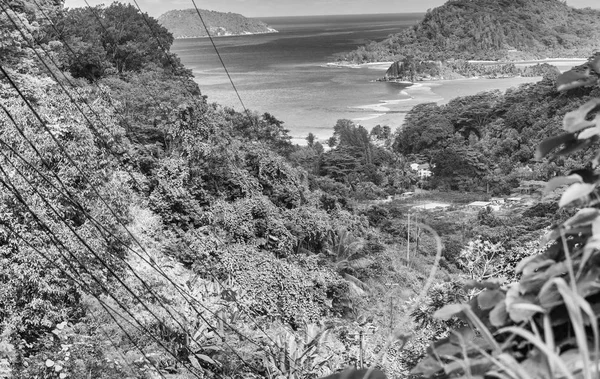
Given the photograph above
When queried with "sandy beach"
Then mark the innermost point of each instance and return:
(382, 66)
(393, 112)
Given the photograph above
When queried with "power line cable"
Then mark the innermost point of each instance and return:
(84, 287)
(89, 122)
(221, 60)
(94, 130)
(161, 272)
(7, 183)
(147, 287)
(243, 308)
(85, 244)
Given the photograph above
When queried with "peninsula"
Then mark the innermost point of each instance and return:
(185, 23)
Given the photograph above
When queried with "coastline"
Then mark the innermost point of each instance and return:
(393, 112)
(384, 66)
(270, 31)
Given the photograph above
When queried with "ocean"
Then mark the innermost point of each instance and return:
(286, 74)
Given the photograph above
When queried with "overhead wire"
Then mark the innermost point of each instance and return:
(95, 223)
(212, 41)
(85, 288)
(91, 125)
(171, 62)
(156, 37)
(7, 183)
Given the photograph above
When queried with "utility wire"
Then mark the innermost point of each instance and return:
(14, 152)
(81, 208)
(7, 183)
(149, 26)
(75, 55)
(147, 287)
(94, 130)
(84, 287)
(212, 41)
(105, 333)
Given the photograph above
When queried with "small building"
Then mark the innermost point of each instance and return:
(404, 195)
(423, 170)
(430, 206)
(480, 204)
(485, 204)
(497, 200)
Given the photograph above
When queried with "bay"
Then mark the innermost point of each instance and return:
(286, 74)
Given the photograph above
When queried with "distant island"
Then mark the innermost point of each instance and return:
(186, 24)
(489, 30)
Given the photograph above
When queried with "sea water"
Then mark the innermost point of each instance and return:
(286, 74)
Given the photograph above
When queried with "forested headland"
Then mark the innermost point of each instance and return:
(184, 24)
(504, 30)
(146, 232)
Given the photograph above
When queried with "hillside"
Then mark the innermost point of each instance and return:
(186, 24)
(491, 30)
(145, 232)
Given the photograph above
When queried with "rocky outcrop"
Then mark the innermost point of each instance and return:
(186, 24)
(395, 71)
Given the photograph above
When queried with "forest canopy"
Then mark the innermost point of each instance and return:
(491, 30)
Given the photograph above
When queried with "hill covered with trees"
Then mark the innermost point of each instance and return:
(491, 30)
(186, 24)
(146, 233)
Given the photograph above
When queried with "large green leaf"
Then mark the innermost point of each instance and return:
(488, 299)
(498, 315)
(576, 120)
(583, 217)
(552, 143)
(572, 79)
(428, 367)
(448, 311)
(560, 181)
(574, 192)
(590, 132)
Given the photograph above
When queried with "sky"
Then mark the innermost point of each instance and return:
(270, 8)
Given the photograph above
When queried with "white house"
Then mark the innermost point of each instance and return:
(423, 170)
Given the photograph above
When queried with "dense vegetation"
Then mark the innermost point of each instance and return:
(409, 69)
(186, 24)
(491, 30)
(543, 322)
(145, 232)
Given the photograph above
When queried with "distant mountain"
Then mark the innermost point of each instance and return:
(491, 30)
(186, 24)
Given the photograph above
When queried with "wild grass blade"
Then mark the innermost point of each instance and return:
(549, 339)
(551, 355)
(569, 297)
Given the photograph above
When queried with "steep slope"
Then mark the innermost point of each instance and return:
(186, 24)
(492, 30)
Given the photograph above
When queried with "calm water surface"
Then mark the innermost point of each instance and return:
(285, 73)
